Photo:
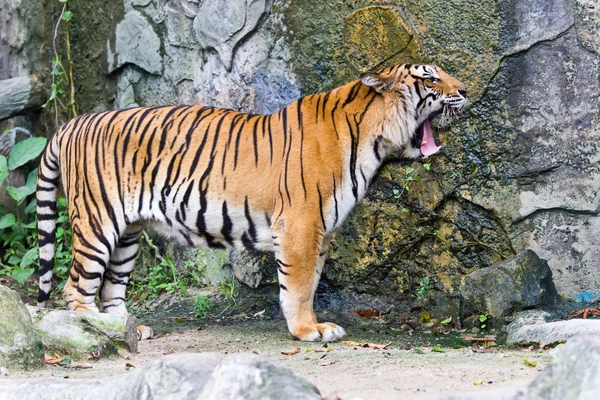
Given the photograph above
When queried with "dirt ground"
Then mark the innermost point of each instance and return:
(351, 372)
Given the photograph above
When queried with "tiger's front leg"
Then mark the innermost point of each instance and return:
(300, 259)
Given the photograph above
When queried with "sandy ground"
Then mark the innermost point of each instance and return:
(348, 371)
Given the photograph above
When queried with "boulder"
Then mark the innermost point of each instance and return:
(181, 376)
(533, 327)
(573, 374)
(20, 344)
(135, 43)
(82, 335)
(521, 282)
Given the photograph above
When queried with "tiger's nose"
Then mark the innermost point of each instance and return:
(463, 91)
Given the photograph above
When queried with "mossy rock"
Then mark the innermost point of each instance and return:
(81, 335)
(20, 344)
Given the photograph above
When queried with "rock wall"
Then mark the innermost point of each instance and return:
(520, 168)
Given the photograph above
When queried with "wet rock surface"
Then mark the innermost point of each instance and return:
(522, 282)
(20, 344)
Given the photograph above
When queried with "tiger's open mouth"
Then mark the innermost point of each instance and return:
(424, 140)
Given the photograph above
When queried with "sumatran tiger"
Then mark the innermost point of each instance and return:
(282, 182)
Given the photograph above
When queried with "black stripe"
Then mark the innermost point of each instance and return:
(123, 262)
(301, 128)
(321, 208)
(227, 225)
(255, 143)
(282, 286)
(270, 141)
(336, 202)
(376, 149)
(251, 225)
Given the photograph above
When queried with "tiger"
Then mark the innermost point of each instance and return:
(282, 182)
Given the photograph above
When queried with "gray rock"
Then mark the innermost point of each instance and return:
(521, 282)
(573, 374)
(246, 267)
(531, 327)
(80, 334)
(250, 377)
(222, 25)
(20, 344)
(135, 43)
(181, 376)
(540, 20)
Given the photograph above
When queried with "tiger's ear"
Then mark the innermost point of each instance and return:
(380, 82)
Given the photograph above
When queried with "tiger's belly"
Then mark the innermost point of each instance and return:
(216, 223)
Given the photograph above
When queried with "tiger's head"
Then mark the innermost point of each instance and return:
(413, 95)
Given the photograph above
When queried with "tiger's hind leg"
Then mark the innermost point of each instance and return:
(300, 261)
(90, 258)
(122, 260)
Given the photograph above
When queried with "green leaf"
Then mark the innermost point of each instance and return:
(25, 151)
(19, 193)
(409, 170)
(532, 364)
(21, 275)
(14, 259)
(31, 225)
(427, 167)
(31, 207)
(65, 361)
(7, 220)
(437, 349)
(3, 168)
(404, 210)
(63, 1)
(67, 15)
(32, 180)
(446, 321)
(418, 350)
(29, 258)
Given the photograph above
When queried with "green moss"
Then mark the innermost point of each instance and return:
(92, 26)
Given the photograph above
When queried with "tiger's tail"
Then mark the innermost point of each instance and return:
(46, 195)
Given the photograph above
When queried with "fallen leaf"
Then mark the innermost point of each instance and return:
(478, 383)
(437, 349)
(532, 364)
(446, 321)
(367, 345)
(291, 352)
(419, 351)
(128, 366)
(52, 360)
(479, 339)
(367, 313)
(406, 347)
(259, 314)
(327, 363)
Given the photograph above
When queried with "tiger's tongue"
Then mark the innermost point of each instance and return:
(428, 146)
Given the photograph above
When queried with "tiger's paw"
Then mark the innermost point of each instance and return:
(85, 308)
(323, 332)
